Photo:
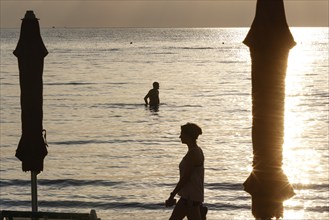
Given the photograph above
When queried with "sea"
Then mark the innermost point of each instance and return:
(109, 152)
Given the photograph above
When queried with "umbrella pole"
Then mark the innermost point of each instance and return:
(269, 40)
(34, 191)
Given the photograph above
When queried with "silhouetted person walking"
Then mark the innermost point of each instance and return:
(153, 96)
(190, 186)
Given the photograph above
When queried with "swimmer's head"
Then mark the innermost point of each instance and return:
(156, 85)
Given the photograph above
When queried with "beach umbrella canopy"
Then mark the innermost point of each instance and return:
(269, 41)
(30, 52)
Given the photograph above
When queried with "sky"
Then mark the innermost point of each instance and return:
(156, 13)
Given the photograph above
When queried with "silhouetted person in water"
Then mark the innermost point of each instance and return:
(153, 96)
(190, 186)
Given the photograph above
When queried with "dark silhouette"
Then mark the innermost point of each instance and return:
(190, 186)
(4, 214)
(153, 96)
(269, 40)
(30, 52)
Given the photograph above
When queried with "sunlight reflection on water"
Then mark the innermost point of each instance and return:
(302, 160)
(120, 158)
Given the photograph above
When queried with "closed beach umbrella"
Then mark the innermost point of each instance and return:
(30, 52)
(269, 41)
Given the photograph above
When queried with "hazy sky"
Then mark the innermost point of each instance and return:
(156, 13)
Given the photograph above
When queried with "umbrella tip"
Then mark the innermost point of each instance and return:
(29, 15)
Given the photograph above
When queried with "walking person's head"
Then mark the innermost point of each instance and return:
(190, 131)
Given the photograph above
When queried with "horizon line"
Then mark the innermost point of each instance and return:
(153, 27)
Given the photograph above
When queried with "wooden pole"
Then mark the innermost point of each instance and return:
(34, 191)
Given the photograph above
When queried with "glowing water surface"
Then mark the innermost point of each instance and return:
(110, 153)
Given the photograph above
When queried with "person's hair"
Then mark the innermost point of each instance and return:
(191, 130)
(155, 84)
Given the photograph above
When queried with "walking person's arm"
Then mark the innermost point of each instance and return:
(191, 164)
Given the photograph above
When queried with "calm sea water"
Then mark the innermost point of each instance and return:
(109, 153)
